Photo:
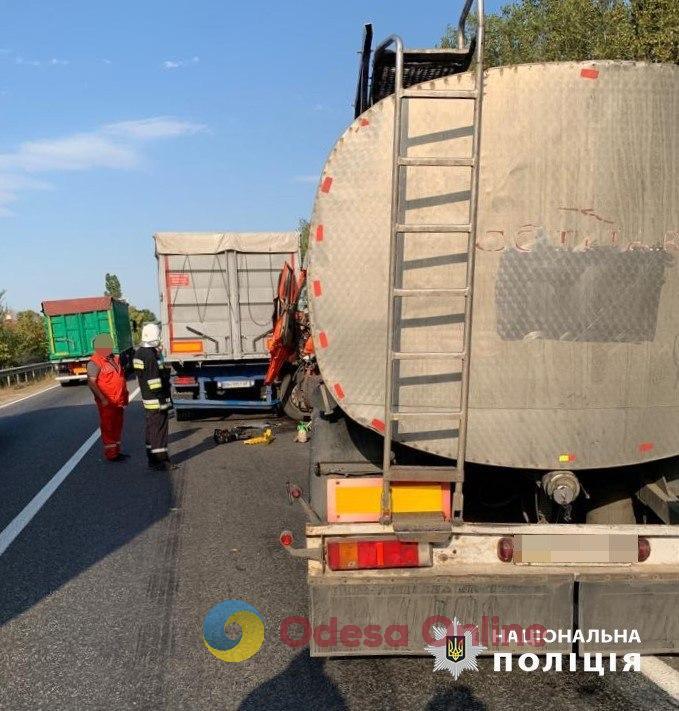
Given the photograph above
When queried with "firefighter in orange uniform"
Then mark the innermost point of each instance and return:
(106, 378)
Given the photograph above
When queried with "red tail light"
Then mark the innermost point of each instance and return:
(184, 380)
(505, 549)
(353, 554)
(644, 549)
(286, 538)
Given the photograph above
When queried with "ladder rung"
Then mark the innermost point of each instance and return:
(439, 94)
(456, 414)
(446, 162)
(415, 473)
(434, 228)
(400, 355)
(463, 291)
(438, 50)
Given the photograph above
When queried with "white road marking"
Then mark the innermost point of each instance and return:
(662, 675)
(27, 397)
(22, 519)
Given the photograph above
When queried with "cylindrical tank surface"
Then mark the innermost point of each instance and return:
(575, 339)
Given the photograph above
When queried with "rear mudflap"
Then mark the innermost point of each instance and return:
(649, 605)
(359, 616)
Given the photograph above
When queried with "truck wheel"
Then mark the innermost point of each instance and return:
(65, 383)
(293, 399)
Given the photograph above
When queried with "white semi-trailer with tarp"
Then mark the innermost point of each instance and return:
(216, 302)
(494, 299)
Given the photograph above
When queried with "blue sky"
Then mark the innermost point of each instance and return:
(121, 119)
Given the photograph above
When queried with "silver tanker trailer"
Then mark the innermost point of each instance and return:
(540, 205)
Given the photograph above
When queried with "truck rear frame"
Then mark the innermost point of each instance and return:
(216, 292)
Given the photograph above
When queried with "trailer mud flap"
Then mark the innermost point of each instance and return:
(647, 605)
(363, 616)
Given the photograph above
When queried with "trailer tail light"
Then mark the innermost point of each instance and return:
(351, 554)
(185, 380)
(644, 549)
(186, 346)
(505, 549)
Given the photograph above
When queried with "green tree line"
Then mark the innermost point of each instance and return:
(576, 30)
(138, 317)
(22, 338)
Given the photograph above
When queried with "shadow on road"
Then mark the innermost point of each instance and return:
(181, 434)
(98, 509)
(455, 699)
(302, 685)
(187, 454)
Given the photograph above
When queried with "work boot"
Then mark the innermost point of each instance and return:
(120, 458)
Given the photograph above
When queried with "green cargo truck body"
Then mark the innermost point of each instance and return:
(71, 326)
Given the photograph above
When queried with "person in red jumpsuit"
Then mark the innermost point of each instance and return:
(106, 378)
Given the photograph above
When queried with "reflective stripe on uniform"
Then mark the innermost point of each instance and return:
(138, 364)
(156, 405)
(161, 449)
(110, 446)
(154, 383)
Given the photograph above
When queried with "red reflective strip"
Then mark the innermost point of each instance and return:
(317, 288)
(339, 391)
(168, 295)
(364, 122)
(326, 185)
(379, 549)
(319, 233)
(378, 424)
(646, 446)
(334, 556)
(589, 73)
(323, 339)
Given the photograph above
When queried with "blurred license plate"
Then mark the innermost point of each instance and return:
(546, 549)
(79, 370)
(227, 384)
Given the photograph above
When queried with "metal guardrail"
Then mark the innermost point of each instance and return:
(24, 373)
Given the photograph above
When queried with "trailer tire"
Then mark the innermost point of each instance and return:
(289, 402)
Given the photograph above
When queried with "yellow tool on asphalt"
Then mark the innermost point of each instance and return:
(264, 438)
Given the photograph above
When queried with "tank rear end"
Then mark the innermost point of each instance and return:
(574, 359)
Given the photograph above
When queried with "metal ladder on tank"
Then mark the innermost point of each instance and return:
(442, 474)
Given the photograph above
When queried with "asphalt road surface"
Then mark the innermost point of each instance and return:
(103, 593)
